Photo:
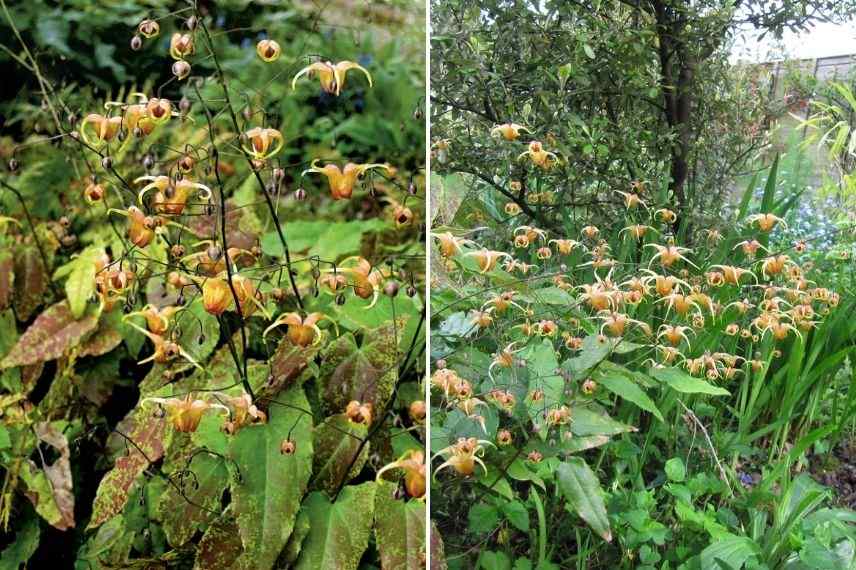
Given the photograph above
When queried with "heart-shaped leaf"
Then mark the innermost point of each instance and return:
(266, 495)
(399, 529)
(338, 532)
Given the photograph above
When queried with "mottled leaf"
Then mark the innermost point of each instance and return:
(53, 333)
(50, 488)
(266, 496)
(198, 503)
(147, 432)
(31, 281)
(438, 551)
(337, 442)
(338, 532)
(399, 530)
(7, 279)
(366, 373)
(220, 546)
(580, 487)
(240, 232)
(287, 364)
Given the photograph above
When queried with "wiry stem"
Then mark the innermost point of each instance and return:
(221, 77)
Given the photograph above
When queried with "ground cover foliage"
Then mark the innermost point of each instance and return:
(633, 367)
(211, 285)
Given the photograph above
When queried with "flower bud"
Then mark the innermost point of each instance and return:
(181, 69)
(136, 43)
(417, 411)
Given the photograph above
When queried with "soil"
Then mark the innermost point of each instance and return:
(838, 472)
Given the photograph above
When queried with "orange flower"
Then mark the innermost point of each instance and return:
(302, 331)
(268, 50)
(508, 131)
(412, 462)
(331, 76)
(104, 129)
(185, 414)
(260, 140)
(342, 181)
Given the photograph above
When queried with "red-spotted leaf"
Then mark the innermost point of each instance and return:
(220, 546)
(147, 432)
(287, 364)
(7, 279)
(50, 336)
(31, 281)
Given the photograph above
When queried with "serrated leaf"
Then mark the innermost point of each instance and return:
(682, 382)
(337, 442)
(53, 333)
(267, 495)
(399, 530)
(338, 532)
(580, 487)
(628, 390)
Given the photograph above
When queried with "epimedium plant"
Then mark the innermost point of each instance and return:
(211, 358)
(624, 384)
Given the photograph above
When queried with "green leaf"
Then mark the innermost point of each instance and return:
(482, 518)
(321, 237)
(199, 501)
(589, 51)
(517, 515)
(680, 381)
(266, 496)
(337, 441)
(630, 391)
(80, 284)
(588, 421)
(399, 530)
(676, 470)
(23, 546)
(338, 532)
(734, 552)
(580, 487)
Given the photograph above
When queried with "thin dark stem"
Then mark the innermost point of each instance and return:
(32, 225)
(271, 208)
